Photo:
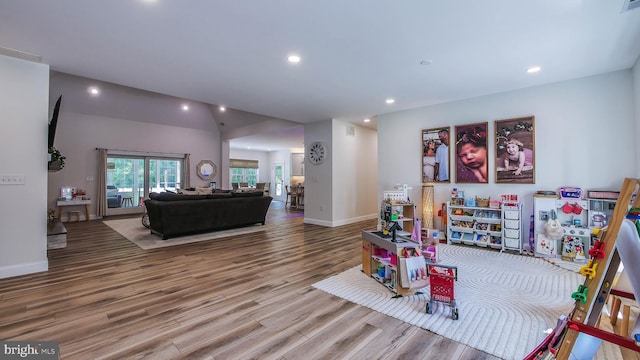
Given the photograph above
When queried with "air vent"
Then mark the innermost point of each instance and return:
(351, 130)
(630, 5)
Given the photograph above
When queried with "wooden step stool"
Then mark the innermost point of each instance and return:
(70, 214)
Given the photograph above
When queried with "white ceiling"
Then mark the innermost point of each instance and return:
(355, 53)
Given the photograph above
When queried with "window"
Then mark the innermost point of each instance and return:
(243, 171)
(130, 179)
(249, 176)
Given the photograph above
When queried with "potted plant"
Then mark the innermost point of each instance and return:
(56, 159)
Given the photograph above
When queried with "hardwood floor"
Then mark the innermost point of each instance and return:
(247, 297)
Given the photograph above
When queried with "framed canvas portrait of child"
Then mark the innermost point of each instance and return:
(515, 150)
(435, 155)
(472, 159)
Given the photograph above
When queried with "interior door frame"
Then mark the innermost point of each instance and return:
(274, 183)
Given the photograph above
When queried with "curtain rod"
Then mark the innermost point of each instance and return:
(147, 153)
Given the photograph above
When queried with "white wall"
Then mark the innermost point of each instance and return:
(355, 169)
(584, 135)
(24, 91)
(318, 188)
(636, 96)
(343, 188)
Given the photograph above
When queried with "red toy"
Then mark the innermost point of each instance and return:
(442, 279)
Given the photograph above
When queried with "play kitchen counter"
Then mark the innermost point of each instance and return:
(380, 259)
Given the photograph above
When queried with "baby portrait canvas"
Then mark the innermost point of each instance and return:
(515, 150)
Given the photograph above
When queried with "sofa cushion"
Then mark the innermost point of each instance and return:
(203, 190)
(247, 193)
(222, 191)
(186, 192)
(219, 195)
(112, 192)
(175, 197)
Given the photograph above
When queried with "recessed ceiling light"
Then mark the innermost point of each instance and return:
(534, 69)
(294, 59)
(185, 107)
(390, 101)
(93, 90)
(367, 120)
(222, 108)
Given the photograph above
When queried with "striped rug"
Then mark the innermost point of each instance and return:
(505, 301)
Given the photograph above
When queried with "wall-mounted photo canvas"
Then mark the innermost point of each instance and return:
(471, 153)
(515, 150)
(435, 155)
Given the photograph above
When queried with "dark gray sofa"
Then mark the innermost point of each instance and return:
(172, 215)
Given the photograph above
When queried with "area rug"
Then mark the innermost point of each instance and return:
(132, 229)
(506, 302)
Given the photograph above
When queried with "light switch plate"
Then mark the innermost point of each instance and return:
(12, 179)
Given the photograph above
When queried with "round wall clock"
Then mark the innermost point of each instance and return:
(317, 153)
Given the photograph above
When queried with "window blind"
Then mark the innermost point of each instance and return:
(245, 164)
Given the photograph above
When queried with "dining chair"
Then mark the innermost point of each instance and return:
(260, 186)
(289, 198)
(234, 186)
(300, 197)
(243, 184)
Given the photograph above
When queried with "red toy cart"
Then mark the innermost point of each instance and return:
(442, 279)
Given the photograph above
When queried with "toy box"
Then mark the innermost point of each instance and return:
(430, 240)
(570, 193)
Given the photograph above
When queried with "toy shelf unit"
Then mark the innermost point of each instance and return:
(380, 259)
(601, 205)
(511, 226)
(402, 214)
(572, 214)
(473, 225)
(396, 207)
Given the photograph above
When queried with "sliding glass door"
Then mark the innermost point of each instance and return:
(130, 179)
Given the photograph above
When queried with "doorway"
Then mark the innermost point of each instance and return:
(130, 179)
(277, 182)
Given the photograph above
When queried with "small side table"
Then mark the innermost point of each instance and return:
(75, 202)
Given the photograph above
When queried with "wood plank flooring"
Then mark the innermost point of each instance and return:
(247, 297)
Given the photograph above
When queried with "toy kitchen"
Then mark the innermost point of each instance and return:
(567, 209)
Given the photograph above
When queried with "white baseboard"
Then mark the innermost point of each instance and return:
(340, 222)
(23, 269)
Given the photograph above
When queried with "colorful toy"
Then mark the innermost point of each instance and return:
(581, 294)
(597, 251)
(442, 278)
(589, 270)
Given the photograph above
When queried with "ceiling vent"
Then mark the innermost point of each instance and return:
(351, 130)
(630, 5)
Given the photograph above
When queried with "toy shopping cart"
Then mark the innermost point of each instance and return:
(442, 279)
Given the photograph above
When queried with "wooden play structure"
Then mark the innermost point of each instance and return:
(577, 335)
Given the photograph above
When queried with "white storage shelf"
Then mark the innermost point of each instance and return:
(511, 227)
(483, 226)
